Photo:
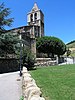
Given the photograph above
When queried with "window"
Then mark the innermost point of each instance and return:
(35, 16)
(31, 17)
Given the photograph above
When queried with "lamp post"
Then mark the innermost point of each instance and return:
(20, 56)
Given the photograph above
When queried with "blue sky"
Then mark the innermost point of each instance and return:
(59, 16)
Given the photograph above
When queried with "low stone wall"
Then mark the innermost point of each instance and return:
(30, 90)
(9, 65)
(45, 62)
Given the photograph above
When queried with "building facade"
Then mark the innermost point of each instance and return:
(33, 30)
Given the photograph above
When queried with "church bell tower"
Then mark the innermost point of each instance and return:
(35, 18)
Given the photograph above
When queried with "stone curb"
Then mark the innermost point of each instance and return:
(30, 90)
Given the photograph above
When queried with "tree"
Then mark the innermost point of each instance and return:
(4, 21)
(8, 43)
(7, 40)
(68, 52)
(28, 59)
(50, 45)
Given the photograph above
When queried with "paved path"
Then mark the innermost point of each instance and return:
(10, 86)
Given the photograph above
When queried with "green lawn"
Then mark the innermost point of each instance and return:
(56, 82)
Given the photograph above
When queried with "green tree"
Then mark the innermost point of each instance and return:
(7, 40)
(8, 43)
(50, 45)
(68, 52)
(28, 59)
(4, 20)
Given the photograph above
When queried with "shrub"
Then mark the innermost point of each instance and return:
(28, 59)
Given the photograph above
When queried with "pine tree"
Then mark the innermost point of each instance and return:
(4, 20)
(8, 40)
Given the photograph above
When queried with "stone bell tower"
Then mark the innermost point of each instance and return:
(35, 18)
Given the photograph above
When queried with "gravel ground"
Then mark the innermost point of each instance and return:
(10, 86)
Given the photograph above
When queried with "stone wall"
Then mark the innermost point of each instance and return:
(30, 90)
(45, 62)
(8, 65)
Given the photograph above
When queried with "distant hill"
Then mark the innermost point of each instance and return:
(71, 44)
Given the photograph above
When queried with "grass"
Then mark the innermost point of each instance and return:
(56, 82)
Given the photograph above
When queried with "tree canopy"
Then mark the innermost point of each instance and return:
(7, 39)
(8, 43)
(51, 45)
(4, 20)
